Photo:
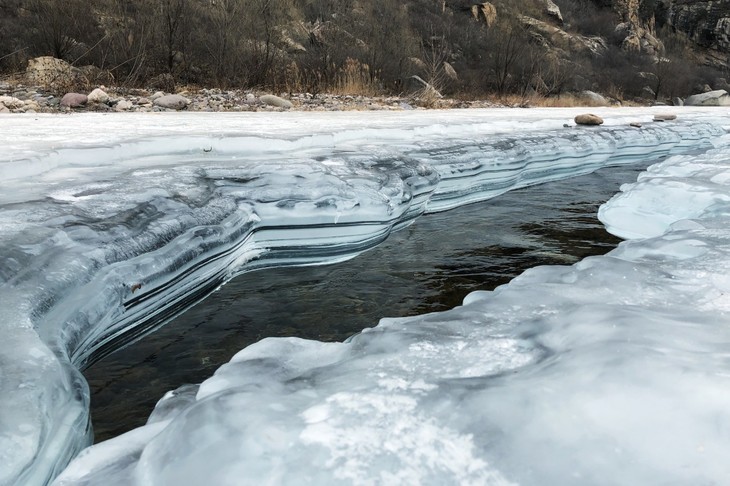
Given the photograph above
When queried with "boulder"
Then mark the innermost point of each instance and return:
(678, 102)
(172, 102)
(718, 97)
(11, 103)
(52, 73)
(123, 105)
(664, 117)
(74, 100)
(98, 96)
(592, 98)
(588, 119)
(423, 89)
(273, 100)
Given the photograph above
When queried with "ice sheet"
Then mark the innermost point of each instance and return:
(111, 224)
(614, 370)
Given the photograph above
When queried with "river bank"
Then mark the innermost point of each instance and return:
(18, 98)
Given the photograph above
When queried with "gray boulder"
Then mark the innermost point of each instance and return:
(98, 96)
(718, 97)
(593, 99)
(273, 100)
(172, 102)
(74, 100)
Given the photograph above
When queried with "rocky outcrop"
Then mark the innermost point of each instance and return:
(553, 11)
(707, 23)
(635, 35)
(551, 36)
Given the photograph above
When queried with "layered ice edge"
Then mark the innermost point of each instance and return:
(102, 241)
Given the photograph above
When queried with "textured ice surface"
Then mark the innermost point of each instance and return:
(109, 225)
(614, 370)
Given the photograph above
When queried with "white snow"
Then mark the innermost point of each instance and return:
(612, 371)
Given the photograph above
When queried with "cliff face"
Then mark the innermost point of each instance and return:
(706, 23)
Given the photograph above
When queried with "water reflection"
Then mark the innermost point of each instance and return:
(427, 267)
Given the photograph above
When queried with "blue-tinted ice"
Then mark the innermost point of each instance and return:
(111, 225)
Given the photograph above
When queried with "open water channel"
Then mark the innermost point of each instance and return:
(427, 267)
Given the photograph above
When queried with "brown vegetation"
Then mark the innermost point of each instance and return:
(459, 48)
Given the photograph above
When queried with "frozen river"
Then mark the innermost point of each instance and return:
(111, 225)
(428, 267)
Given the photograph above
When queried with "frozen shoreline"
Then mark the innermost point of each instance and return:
(348, 172)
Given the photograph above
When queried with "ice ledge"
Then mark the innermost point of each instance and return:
(84, 284)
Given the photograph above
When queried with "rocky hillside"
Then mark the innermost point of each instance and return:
(625, 49)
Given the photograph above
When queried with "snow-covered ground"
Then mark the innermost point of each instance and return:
(610, 371)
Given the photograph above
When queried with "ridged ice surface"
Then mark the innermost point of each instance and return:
(109, 225)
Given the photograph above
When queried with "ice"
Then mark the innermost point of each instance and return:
(112, 224)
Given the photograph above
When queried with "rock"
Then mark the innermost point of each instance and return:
(719, 97)
(450, 72)
(11, 103)
(592, 98)
(98, 96)
(635, 124)
(98, 107)
(31, 106)
(588, 119)
(157, 94)
(250, 98)
(171, 102)
(273, 100)
(485, 10)
(707, 23)
(123, 105)
(423, 89)
(678, 102)
(665, 117)
(52, 73)
(551, 36)
(553, 10)
(74, 100)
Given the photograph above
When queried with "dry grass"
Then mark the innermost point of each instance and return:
(355, 78)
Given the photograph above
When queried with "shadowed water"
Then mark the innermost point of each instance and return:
(427, 267)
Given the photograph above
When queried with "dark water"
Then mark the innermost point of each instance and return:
(427, 267)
